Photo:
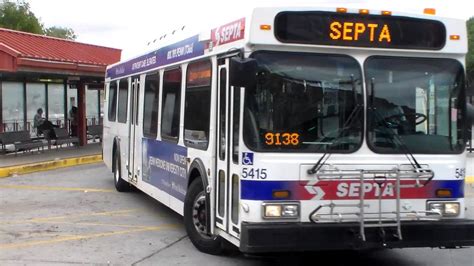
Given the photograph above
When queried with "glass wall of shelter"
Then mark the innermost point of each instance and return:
(20, 102)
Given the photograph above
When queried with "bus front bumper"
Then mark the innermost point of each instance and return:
(292, 237)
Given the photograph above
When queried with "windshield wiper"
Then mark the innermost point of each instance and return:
(393, 137)
(347, 124)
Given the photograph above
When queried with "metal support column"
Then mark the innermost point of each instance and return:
(25, 110)
(81, 115)
(1, 107)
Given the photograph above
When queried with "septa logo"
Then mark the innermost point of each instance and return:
(370, 190)
(228, 33)
(316, 191)
(349, 190)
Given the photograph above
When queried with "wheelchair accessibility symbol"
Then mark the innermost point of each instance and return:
(247, 158)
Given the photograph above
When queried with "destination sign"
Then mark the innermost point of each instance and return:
(343, 29)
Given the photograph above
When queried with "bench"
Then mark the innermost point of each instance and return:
(95, 131)
(1, 143)
(21, 140)
(62, 137)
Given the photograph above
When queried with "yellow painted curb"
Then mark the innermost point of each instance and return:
(48, 165)
(469, 179)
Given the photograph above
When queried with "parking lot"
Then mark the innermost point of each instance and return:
(75, 216)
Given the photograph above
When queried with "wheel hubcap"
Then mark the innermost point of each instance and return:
(200, 215)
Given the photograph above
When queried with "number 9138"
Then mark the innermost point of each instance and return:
(282, 139)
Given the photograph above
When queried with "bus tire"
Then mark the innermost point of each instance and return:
(120, 184)
(195, 220)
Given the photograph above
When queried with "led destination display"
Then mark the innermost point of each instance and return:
(343, 29)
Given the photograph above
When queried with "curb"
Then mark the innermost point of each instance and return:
(469, 180)
(48, 165)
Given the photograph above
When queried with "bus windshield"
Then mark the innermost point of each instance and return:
(418, 101)
(304, 103)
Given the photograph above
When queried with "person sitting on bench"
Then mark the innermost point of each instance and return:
(41, 124)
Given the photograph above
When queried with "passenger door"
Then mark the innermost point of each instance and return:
(227, 181)
(134, 136)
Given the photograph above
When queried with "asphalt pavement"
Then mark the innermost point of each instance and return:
(74, 216)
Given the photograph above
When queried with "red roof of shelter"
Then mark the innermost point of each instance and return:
(37, 51)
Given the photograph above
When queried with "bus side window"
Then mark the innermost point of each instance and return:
(123, 101)
(171, 104)
(112, 101)
(151, 105)
(197, 108)
(235, 126)
(222, 114)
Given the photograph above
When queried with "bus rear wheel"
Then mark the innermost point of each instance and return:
(195, 220)
(120, 184)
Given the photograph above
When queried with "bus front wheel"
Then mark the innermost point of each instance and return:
(195, 220)
(120, 184)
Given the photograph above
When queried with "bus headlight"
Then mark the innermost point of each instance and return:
(451, 209)
(272, 211)
(280, 210)
(447, 209)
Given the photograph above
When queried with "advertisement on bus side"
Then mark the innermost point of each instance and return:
(164, 166)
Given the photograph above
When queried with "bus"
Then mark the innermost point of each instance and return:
(300, 129)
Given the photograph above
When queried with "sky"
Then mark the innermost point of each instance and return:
(131, 25)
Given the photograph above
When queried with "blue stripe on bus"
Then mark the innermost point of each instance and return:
(186, 49)
(263, 190)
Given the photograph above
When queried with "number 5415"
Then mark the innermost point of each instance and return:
(251, 173)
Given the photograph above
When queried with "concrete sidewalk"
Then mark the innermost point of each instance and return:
(22, 163)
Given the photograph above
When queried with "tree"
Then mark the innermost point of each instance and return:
(18, 16)
(60, 32)
(470, 54)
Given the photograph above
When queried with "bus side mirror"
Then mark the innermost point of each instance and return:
(470, 114)
(243, 72)
(469, 106)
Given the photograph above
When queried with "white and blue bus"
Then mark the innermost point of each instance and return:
(299, 129)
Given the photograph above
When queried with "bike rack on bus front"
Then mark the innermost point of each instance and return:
(420, 176)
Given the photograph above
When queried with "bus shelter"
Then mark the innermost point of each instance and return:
(64, 78)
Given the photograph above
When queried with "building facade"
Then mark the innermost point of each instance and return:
(52, 74)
